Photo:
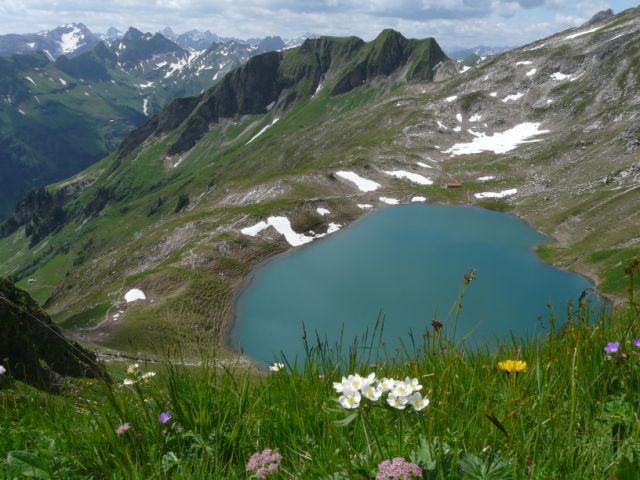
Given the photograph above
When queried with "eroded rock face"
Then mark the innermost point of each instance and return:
(32, 347)
(600, 16)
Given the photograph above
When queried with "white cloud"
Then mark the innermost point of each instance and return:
(452, 22)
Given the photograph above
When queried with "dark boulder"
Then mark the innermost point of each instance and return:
(33, 349)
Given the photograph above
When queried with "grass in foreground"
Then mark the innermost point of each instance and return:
(563, 407)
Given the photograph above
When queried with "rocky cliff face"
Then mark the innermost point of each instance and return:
(32, 347)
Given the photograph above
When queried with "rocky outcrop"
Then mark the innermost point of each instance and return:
(600, 16)
(32, 347)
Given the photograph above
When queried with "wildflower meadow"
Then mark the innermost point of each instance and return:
(565, 406)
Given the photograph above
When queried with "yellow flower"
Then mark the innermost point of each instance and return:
(512, 366)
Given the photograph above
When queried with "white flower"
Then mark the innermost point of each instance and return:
(418, 402)
(341, 386)
(276, 367)
(133, 369)
(355, 382)
(350, 399)
(148, 375)
(413, 383)
(2, 370)
(401, 389)
(127, 381)
(371, 392)
(397, 401)
(386, 384)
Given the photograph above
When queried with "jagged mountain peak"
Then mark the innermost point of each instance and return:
(169, 33)
(113, 33)
(133, 33)
(600, 16)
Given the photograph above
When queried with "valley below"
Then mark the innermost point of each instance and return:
(213, 185)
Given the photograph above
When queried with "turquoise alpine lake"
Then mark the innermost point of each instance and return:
(407, 264)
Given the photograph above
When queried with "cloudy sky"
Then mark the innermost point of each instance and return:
(452, 22)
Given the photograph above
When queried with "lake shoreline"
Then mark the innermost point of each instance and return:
(228, 341)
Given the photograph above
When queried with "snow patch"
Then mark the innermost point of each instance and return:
(475, 118)
(364, 206)
(493, 94)
(255, 229)
(418, 199)
(134, 294)
(363, 184)
(502, 194)
(389, 201)
(537, 47)
(452, 98)
(532, 72)
(323, 211)
(526, 62)
(414, 177)
(145, 106)
(62, 81)
(318, 88)
(513, 97)
(459, 117)
(70, 41)
(184, 62)
(465, 68)
(31, 44)
(579, 34)
(486, 178)
(440, 124)
(283, 226)
(31, 80)
(145, 85)
(500, 142)
(560, 76)
(423, 165)
(273, 122)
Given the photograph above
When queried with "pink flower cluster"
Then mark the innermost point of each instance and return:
(264, 463)
(398, 469)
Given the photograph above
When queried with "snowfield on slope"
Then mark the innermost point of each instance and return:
(264, 129)
(363, 184)
(283, 226)
(134, 294)
(500, 142)
(414, 177)
(502, 194)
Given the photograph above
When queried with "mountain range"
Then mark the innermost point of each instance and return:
(75, 38)
(59, 116)
(295, 144)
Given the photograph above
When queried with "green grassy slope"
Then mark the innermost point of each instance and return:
(571, 412)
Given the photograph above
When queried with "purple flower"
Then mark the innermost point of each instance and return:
(164, 417)
(612, 347)
(121, 430)
(636, 342)
(264, 463)
(398, 469)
